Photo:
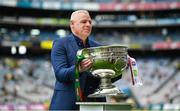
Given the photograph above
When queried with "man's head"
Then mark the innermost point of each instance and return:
(80, 24)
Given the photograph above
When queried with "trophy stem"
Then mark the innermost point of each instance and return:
(105, 83)
(105, 77)
(106, 89)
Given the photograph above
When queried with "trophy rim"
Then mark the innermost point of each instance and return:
(109, 46)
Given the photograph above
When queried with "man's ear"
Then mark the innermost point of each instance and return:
(71, 24)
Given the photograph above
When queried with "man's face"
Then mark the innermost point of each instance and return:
(81, 25)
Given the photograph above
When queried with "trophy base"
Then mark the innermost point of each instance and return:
(112, 92)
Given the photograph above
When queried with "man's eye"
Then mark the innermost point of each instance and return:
(84, 22)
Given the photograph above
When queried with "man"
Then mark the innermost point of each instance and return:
(63, 57)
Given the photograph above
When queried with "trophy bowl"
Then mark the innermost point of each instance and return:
(108, 62)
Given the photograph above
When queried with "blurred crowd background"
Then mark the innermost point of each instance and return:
(150, 29)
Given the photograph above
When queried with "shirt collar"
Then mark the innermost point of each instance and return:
(80, 42)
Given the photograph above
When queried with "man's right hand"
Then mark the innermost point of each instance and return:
(85, 65)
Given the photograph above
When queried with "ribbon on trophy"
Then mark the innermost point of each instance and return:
(79, 94)
(136, 80)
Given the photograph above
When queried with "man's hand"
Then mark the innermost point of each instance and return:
(85, 65)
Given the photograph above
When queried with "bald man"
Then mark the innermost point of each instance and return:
(63, 58)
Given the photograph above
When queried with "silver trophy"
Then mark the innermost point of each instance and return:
(108, 62)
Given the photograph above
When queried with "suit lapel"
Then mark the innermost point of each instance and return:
(90, 43)
(73, 44)
(93, 43)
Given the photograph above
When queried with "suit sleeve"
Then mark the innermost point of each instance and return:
(63, 73)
